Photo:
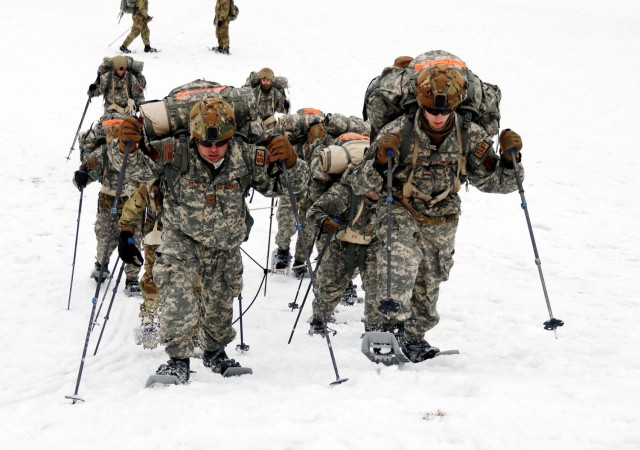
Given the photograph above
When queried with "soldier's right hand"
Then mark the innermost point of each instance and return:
(130, 131)
(386, 143)
(92, 90)
(317, 131)
(81, 179)
(128, 251)
(330, 226)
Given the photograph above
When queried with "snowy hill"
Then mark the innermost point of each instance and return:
(566, 70)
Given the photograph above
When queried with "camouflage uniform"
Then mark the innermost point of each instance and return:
(120, 94)
(96, 163)
(221, 21)
(423, 232)
(345, 256)
(268, 102)
(140, 25)
(204, 226)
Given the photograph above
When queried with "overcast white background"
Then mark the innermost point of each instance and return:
(568, 73)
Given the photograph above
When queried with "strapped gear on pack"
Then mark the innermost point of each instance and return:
(127, 7)
(336, 124)
(393, 93)
(133, 66)
(170, 116)
(348, 150)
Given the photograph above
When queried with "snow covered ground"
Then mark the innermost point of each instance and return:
(567, 72)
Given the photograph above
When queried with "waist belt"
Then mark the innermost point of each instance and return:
(428, 220)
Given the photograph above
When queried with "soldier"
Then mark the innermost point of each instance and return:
(121, 89)
(426, 205)
(351, 219)
(140, 27)
(205, 221)
(269, 100)
(225, 12)
(96, 167)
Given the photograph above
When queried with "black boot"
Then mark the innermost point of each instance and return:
(149, 49)
(218, 361)
(96, 272)
(179, 368)
(299, 269)
(418, 350)
(283, 257)
(124, 49)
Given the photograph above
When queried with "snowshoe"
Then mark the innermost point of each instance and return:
(220, 363)
(316, 327)
(96, 273)
(421, 350)
(280, 260)
(175, 371)
(383, 347)
(124, 49)
(132, 288)
(149, 49)
(223, 50)
(299, 269)
(350, 296)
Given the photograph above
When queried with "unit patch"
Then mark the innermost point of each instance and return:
(260, 157)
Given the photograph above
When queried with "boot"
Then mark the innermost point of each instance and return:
(124, 49)
(283, 257)
(179, 368)
(132, 288)
(299, 269)
(418, 350)
(316, 327)
(150, 49)
(96, 272)
(218, 361)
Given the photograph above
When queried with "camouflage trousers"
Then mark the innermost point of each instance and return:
(340, 264)
(287, 226)
(222, 34)
(140, 27)
(180, 260)
(108, 233)
(421, 258)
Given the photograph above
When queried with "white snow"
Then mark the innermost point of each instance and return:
(568, 76)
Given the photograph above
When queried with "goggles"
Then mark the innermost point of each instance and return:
(209, 144)
(438, 111)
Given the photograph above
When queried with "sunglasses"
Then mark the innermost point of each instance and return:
(209, 144)
(438, 111)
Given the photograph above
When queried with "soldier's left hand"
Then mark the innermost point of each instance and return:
(280, 149)
(130, 131)
(317, 131)
(510, 140)
(330, 226)
(81, 179)
(128, 251)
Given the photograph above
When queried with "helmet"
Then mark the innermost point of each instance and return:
(119, 62)
(265, 73)
(212, 119)
(440, 87)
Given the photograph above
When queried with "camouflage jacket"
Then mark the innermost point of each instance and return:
(222, 11)
(437, 169)
(209, 205)
(118, 90)
(342, 203)
(268, 102)
(146, 198)
(142, 8)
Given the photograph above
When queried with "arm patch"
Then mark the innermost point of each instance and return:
(260, 157)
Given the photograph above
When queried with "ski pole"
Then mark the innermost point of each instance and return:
(552, 323)
(266, 270)
(75, 248)
(320, 255)
(75, 398)
(294, 305)
(312, 275)
(389, 305)
(75, 138)
(125, 31)
(106, 317)
(104, 295)
(242, 346)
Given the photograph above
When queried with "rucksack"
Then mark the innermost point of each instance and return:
(170, 116)
(279, 83)
(393, 93)
(233, 11)
(348, 149)
(127, 7)
(133, 66)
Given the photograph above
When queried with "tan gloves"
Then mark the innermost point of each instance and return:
(329, 226)
(386, 143)
(280, 149)
(402, 62)
(130, 131)
(317, 131)
(508, 140)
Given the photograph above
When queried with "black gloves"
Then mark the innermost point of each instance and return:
(92, 90)
(81, 179)
(128, 251)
